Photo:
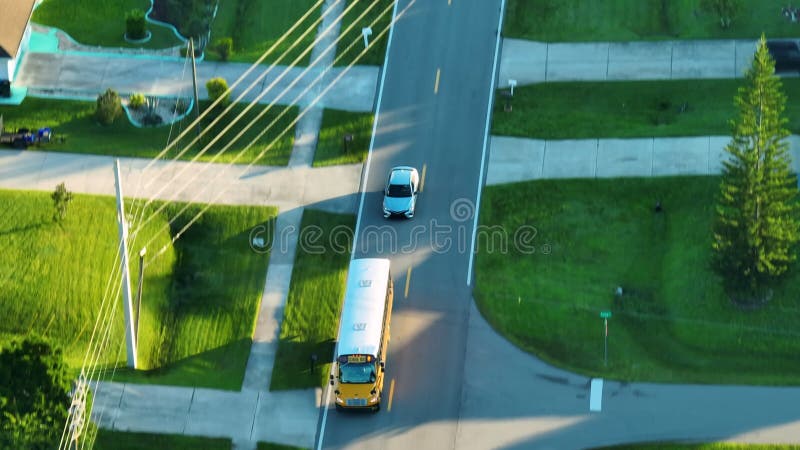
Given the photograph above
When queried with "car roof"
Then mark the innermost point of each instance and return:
(400, 175)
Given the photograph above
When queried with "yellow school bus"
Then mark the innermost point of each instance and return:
(358, 371)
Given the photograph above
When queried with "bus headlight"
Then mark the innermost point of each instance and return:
(339, 400)
(373, 399)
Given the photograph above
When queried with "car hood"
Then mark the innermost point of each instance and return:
(398, 204)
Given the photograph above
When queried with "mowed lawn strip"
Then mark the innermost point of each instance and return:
(639, 20)
(74, 120)
(331, 146)
(314, 302)
(673, 323)
(101, 22)
(255, 26)
(351, 43)
(271, 446)
(121, 440)
(705, 446)
(200, 295)
(579, 110)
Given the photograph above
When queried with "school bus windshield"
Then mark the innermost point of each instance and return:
(357, 373)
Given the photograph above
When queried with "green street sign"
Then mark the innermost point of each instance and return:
(605, 314)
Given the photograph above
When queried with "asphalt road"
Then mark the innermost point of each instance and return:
(432, 115)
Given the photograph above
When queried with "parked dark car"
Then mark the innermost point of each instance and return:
(786, 55)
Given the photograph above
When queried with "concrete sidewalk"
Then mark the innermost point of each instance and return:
(329, 188)
(82, 75)
(518, 159)
(246, 417)
(535, 62)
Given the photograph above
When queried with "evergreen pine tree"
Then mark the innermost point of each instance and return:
(757, 223)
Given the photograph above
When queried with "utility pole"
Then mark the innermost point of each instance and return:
(127, 305)
(194, 85)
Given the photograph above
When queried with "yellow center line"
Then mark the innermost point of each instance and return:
(422, 180)
(408, 280)
(436, 86)
(391, 395)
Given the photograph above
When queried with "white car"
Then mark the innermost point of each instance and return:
(400, 195)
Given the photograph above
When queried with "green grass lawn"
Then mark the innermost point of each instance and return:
(379, 17)
(74, 120)
(255, 25)
(314, 301)
(330, 146)
(200, 297)
(707, 446)
(271, 446)
(636, 20)
(120, 440)
(575, 110)
(100, 22)
(673, 322)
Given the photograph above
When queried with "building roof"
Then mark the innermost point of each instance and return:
(13, 21)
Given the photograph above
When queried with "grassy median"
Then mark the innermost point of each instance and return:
(576, 110)
(672, 323)
(74, 121)
(200, 295)
(100, 22)
(331, 148)
(314, 302)
(636, 20)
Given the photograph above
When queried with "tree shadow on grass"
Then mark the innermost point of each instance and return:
(293, 364)
(27, 227)
(222, 368)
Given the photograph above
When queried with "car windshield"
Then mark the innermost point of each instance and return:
(399, 190)
(357, 373)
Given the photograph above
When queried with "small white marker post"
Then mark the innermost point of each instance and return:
(596, 395)
(512, 84)
(366, 32)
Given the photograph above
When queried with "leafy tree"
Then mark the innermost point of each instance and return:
(109, 106)
(61, 199)
(757, 222)
(34, 386)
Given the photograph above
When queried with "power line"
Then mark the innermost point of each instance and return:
(261, 154)
(275, 120)
(245, 111)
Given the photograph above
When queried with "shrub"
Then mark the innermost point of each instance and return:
(726, 10)
(61, 199)
(217, 88)
(136, 101)
(135, 24)
(109, 106)
(224, 47)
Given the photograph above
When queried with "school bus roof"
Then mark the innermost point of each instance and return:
(363, 307)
